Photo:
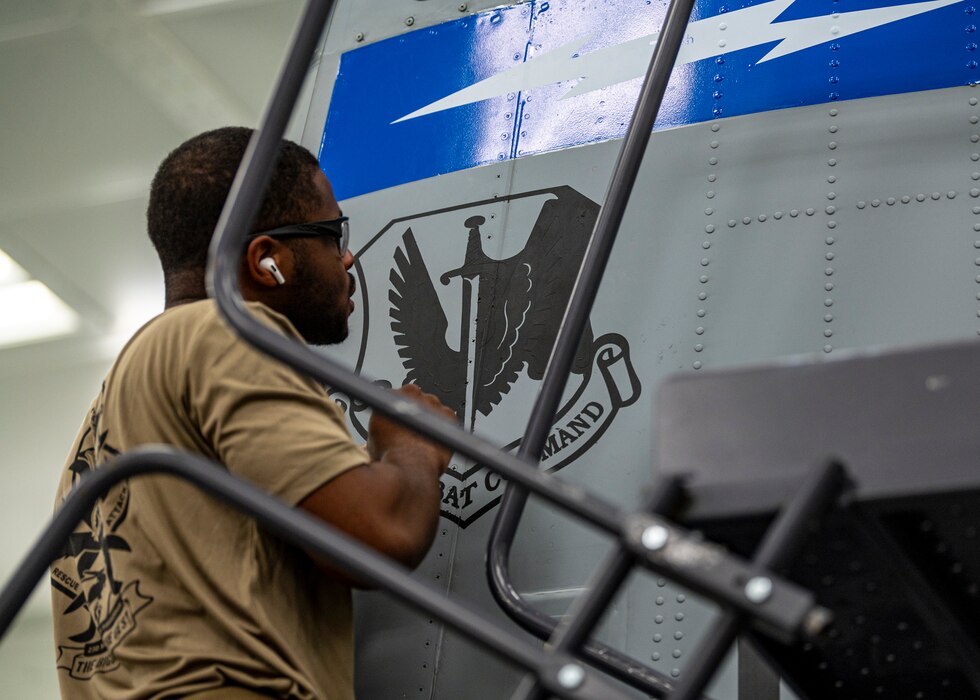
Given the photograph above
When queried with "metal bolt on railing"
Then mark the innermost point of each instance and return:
(758, 589)
(571, 676)
(655, 537)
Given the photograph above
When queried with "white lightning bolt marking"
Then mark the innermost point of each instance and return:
(713, 36)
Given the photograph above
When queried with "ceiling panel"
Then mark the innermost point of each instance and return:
(74, 127)
(18, 17)
(243, 45)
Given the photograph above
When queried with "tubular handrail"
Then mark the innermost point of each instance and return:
(559, 365)
(240, 209)
(302, 530)
(573, 633)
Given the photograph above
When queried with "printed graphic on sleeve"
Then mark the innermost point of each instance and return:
(543, 76)
(102, 606)
(472, 318)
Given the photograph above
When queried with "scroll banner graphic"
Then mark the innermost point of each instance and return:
(610, 384)
(84, 662)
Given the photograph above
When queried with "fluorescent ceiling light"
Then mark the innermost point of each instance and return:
(29, 312)
(11, 272)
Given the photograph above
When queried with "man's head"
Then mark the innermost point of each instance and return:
(186, 199)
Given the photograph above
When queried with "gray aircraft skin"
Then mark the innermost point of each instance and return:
(813, 186)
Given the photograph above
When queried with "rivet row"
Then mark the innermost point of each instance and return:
(777, 215)
(834, 63)
(974, 192)
(830, 210)
(717, 110)
(905, 199)
(709, 229)
(678, 634)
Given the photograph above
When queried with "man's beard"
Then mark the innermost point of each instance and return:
(321, 320)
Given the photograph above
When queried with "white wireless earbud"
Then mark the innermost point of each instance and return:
(269, 265)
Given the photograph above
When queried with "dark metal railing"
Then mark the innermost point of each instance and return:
(554, 670)
(642, 537)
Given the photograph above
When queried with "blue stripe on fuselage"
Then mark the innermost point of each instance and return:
(363, 150)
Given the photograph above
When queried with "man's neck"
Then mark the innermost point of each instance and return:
(184, 288)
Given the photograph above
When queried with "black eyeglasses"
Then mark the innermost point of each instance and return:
(339, 228)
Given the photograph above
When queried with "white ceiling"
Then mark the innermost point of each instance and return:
(94, 95)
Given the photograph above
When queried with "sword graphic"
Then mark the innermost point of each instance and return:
(470, 277)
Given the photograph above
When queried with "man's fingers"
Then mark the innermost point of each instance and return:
(414, 392)
(449, 413)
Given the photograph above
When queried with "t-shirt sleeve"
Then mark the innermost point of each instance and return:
(265, 421)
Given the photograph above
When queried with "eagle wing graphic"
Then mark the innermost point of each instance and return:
(419, 324)
(523, 298)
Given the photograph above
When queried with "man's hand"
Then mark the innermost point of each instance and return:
(391, 504)
(385, 434)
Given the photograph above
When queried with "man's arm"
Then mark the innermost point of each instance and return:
(392, 503)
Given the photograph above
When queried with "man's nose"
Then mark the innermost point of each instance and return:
(348, 260)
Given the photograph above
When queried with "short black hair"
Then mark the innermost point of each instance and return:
(192, 183)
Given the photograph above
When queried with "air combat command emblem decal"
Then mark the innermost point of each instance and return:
(470, 301)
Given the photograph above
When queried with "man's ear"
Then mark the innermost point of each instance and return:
(266, 275)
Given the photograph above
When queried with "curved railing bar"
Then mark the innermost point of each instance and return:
(301, 530)
(244, 197)
(573, 325)
(573, 634)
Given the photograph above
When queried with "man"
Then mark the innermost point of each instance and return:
(165, 593)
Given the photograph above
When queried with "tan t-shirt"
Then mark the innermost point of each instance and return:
(164, 591)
